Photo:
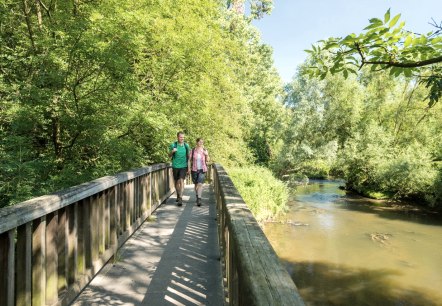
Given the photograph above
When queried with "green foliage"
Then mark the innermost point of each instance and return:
(374, 131)
(264, 194)
(384, 45)
(90, 88)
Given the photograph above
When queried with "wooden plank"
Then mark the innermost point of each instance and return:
(62, 247)
(120, 209)
(11, 269)
(113, 217)
(131, 202)
(137, 198)
(87, 233)
(155, 190)
(7, 266)
(51, 258)
(38, 262)
(100, 223)
(171, 182)
(72, 244)
(124, 215)
(4, 253)
(13, 216)
(23, 265)
(143, 195)
(161, 183)
(149, 195)
(81, 250)
(107, 200)
(94, 217)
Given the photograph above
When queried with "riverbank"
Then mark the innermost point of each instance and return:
(394, 204)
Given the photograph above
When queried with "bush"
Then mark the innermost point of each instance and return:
(265, 195)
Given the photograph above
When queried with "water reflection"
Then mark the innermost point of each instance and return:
(343, 250)
(326, 283)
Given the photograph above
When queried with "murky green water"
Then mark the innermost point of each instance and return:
(340, 250)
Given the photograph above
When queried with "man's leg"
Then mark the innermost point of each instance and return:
(180, 185)
(176, 178)
(179, 192)
(178, 188)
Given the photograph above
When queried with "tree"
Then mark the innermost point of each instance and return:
(385, 45)
(258, 8)
(91, 88)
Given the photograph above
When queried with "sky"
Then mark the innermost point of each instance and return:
(294, 25)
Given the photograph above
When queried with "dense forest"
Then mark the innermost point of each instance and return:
(91, 88)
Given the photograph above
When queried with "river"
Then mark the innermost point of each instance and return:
(348, 250)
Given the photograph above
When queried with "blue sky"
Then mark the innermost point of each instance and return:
(294, 25)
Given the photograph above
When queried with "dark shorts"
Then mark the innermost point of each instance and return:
(198, 177)
(179, 173)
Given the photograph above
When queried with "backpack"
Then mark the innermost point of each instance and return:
(175, 145)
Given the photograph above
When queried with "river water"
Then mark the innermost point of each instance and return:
(348, 250)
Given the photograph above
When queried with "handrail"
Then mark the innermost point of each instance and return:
(52, 246)
(253, 271)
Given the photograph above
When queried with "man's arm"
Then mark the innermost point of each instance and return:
(172, 151)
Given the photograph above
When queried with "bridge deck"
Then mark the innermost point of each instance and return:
(173, 259)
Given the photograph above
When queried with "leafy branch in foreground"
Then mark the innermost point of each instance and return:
(385, 45)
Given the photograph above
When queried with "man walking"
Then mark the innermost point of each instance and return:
(179, 152)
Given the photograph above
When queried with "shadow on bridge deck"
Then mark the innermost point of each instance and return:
(171, 260)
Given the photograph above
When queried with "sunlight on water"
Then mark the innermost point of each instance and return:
(342, 251)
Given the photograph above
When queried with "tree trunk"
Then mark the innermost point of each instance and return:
(26, 11)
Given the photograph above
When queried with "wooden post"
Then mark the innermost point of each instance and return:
(131, 202)
(101, 223)
(38, 262)
(120, 210)
(7, 260)
(150, 194)
(94, 229)
(126, 207)
(24, 265)
(62, 247)
(156, 191)
(143, 194)
(81, 224)
(107, 199)
(137, 195)
(162, 173)
(113, 217)
(51, 258)
(87, 232)
(72, 244)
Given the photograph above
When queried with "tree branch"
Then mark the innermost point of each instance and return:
(427, 62)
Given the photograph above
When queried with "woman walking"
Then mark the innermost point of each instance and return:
(199, 157)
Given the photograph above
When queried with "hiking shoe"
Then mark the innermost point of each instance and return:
(198, 201)
(179, 201)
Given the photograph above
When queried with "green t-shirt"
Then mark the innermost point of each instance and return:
(179, 160)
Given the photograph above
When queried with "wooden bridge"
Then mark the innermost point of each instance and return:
(121, 240)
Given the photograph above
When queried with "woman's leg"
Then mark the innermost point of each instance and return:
(199, 190)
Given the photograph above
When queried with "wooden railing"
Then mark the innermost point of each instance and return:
(52, 246)
(252, 269)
